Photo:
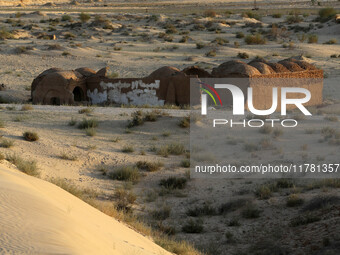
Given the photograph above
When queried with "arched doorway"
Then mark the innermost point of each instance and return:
(78, 94)
(55, 101)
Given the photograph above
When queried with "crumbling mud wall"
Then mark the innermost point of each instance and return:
(169, 85)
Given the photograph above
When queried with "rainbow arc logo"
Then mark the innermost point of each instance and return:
(206, 89)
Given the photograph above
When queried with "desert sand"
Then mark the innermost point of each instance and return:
(37, 217)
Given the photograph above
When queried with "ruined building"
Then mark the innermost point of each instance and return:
(168, 85)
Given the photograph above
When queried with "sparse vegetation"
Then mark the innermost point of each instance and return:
(126, 173)
(30, 136)
(173, 183)
(28, 167)
(6, 143)
(149, 166)
(193, 226)
(255, 39)
(128, 149)
(88, 123)
(67, 156)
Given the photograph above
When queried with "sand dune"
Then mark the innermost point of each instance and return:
(37, 217)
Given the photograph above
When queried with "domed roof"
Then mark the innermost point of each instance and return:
(278, 68)
(163, 72)
(291, 66)
(235, 68)
(262, 67)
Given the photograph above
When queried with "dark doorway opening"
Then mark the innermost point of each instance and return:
(55, 101)
(78, 94)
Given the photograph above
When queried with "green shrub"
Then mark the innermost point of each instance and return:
(6, 143)
(28, 167)
(277, 15)
(239, 35)
(193, 226)
(85, 110)
(250, 212)
(255, 39)
(30, 136)
(88, 123)
(128, 149)
(243, 55)
(126, 173)
(149, 166)
(162, 213)
(313, 38)
(185, 163)
(90, 131)
(66, 18)
(173, 183)
(84, 17)
(294, 200)
(199, 211)
(326, 14)
(209, 13)
(124, 200)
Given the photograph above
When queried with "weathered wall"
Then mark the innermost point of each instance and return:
(168, 85)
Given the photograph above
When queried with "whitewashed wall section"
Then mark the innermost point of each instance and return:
(140, 94)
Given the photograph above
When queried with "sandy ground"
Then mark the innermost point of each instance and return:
(37, 217)
(130, 41)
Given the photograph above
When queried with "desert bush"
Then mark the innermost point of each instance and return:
(149, 166)
(90, 131)
(321, 202)
(250, 212)
(66, 18)
(6, 143)
(67, 156)
(277, 15)
(266, 129)
(326, 14)
(193, 226)
(88, 123)
(184, 39)
(252, 15)
(170, 29)
(30, 136)
(313, 38)
(137, 119)
(200, 45)
(255, 39)
(239, 35)
(185, 163)
(5, 34)
(304, 220)
(84, 17)
(162, 213)
(173, 183)
(65, 53)
(211, 53)
(172, 149)
(332, 41)
(28, 167)
(332, 118)
(284, 183)
(292, 19)
(124, 200)
(220, 41)
(87, 110)
(203, 210)
(69, 35)
(250, 147)
(72, 122)
(128, 149)
(27, 107)
(209, 13)
(294, 200)
(125, 173)
(264, 191)
(243, 55)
